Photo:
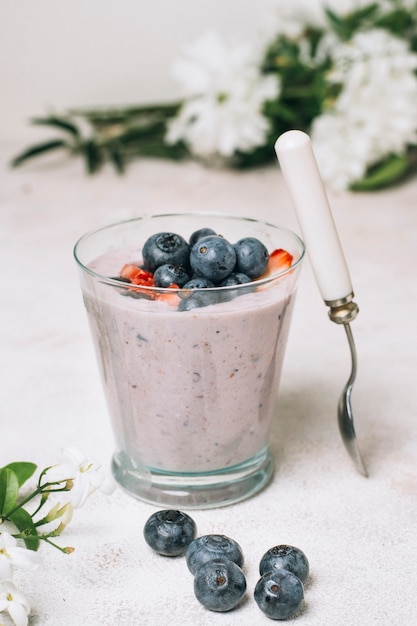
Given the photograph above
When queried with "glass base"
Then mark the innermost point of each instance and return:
(190, 490)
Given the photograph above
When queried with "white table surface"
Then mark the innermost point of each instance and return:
(359, 534)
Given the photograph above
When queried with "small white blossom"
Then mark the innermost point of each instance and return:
(12, 556)
(375, 113)
(225, 93)
(86, 475)
(14, 602)
(292, 18)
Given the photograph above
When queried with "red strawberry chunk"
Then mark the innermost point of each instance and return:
(279, 260)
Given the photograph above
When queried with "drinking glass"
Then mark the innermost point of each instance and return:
(190, 390)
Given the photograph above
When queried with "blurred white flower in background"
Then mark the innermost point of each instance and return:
(375, 114)
(291, 18)
(224, 97)
(344, 71)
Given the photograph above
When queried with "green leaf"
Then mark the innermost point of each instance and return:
(346, 25)
(24, 523)
(116, 158)
(38, 149)
(9, 490)
(386, 173)
(93, 156)
(23, 470)
(57, 122)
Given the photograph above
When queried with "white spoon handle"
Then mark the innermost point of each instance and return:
(305, 186)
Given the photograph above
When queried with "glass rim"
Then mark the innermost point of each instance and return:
(116, 282)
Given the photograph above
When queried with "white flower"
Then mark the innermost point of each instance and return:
(225, 93)
(14, 602)
(86, 474)
(375, 113)
(13, 556)
(292, 18)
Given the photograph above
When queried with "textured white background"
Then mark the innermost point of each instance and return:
(360, 535)
(56, 54)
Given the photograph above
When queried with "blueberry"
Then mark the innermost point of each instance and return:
(197, 300)
(198, 282)
(166, 275)
(285, 557)
(199, 234)
(163, 248)
(169, 532)
(219, 585)
(251, 257)
(213, 257)
(235, 278)
(193, 298)
(209, 547)
(279, 594)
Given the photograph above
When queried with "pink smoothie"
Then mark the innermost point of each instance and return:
(189, 391)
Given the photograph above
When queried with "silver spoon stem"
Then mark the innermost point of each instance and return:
(344, 311)
(344, 410)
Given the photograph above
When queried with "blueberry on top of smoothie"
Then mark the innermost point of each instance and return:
(163, 248)
(199, 234)
(168, 274)
(235, 278)
(213, 257)
(251, 257)
(198, 282)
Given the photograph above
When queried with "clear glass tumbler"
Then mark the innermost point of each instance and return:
(190, 393)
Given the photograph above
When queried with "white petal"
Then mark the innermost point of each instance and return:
(75, 455)
(6, 569)
(18, 613)
(7, 540)
(60, 473)
(24, 559)
(81, 491)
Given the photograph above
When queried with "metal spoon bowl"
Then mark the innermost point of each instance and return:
(345, 414)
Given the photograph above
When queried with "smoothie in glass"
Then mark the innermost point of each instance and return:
(191, 393)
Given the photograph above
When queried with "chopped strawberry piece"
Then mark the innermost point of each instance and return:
(279, 260)
(173, 298)
(136, 275)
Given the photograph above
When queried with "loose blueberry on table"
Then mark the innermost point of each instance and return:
(219, 585)
(279, 594)
(285, 557)
(216, 562)
(209, 547)
(169, 532)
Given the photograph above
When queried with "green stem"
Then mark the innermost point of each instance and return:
(21, 504)
(47, 540)
(38, 491)
(122, 113)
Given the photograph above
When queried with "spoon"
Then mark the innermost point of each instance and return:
(305, 186)
(344, 410)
